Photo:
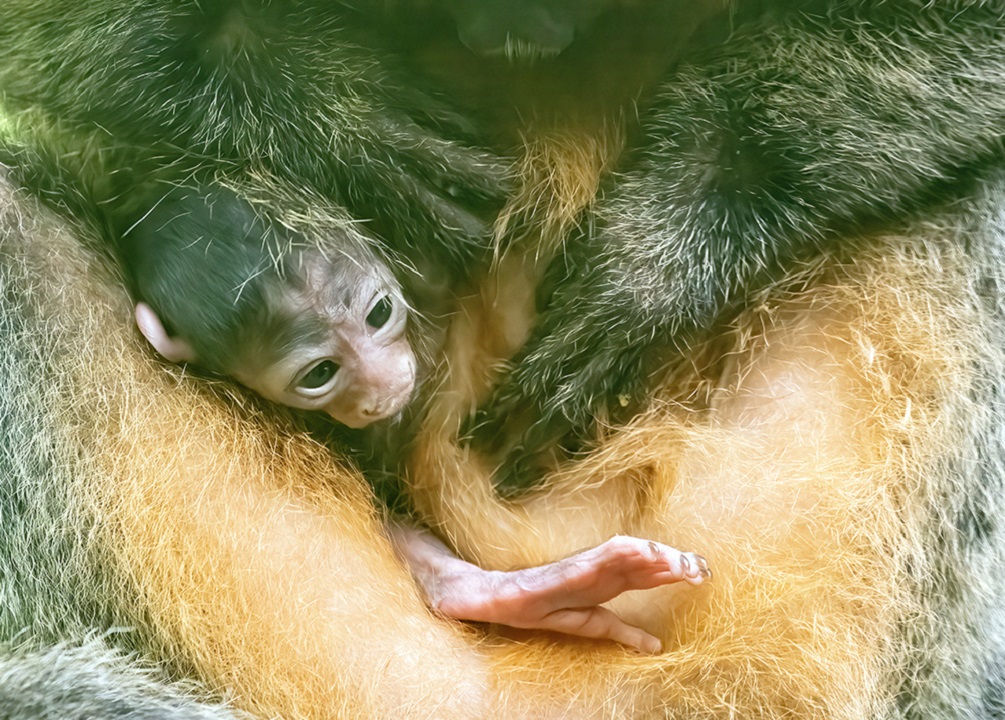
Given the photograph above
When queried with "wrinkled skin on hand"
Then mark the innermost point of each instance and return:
(564, 596)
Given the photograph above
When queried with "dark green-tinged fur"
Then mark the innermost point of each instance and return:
(805, 124)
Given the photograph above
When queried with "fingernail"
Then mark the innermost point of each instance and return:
(655, 550)
(685, 564)
(703, 568)
(651, 646)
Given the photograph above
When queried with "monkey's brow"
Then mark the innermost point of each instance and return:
(285, 332)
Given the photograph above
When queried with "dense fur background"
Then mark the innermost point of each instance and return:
(826, 432)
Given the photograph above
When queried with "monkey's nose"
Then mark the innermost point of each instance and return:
(384, 406)
(379, 407)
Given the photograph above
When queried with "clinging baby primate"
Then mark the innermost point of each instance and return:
(846, 483)
(316, 328)
(324, 326)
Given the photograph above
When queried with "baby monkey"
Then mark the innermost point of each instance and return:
(326, 328)
(308, 327)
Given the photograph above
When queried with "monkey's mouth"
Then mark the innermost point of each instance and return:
(388, 407)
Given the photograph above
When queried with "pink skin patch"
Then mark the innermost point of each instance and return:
(563, 596)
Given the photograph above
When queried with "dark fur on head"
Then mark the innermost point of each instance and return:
(207, 263)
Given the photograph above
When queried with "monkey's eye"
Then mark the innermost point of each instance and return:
(380, 313)
(318, 376)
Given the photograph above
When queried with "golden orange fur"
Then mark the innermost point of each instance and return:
(801, 462)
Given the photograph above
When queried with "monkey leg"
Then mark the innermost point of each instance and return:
(228, 547)
(839, 466)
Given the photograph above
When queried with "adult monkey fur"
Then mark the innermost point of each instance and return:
(844, 479)
(729, 188)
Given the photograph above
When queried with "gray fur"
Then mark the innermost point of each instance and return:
(92, 682)
(195, 88)
(802, 126)
(59, 623)
(952, 654)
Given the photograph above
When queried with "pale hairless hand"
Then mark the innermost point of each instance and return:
(562, 596)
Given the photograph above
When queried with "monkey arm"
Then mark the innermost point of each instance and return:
(265, 84)
(563, 596)
(796, 130)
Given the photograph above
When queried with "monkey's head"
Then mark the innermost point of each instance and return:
(309, 327)
(525, 31)
(522, 29)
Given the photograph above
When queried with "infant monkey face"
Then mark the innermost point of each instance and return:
(378, 374)
(350, 355)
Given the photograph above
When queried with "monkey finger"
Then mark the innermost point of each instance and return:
(601, 624)
(657, 564)
(526, 598)
(599, 574)
(626, 554)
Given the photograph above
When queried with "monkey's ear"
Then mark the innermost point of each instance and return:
(172, 349)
